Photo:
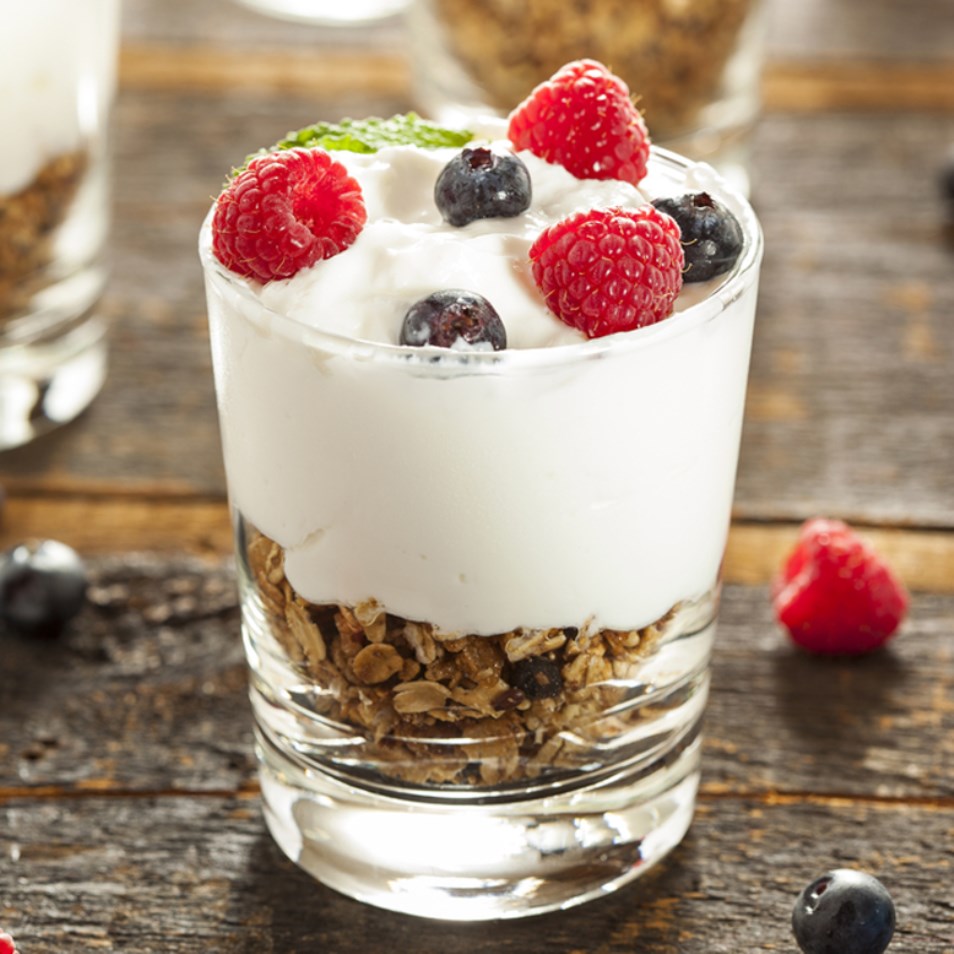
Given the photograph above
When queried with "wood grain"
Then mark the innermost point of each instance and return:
(130, 818)
(147, 694)
(787, 86)
(168, 875)
(129, 807)
(107, 519)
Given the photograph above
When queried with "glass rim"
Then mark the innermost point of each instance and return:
(440, 361)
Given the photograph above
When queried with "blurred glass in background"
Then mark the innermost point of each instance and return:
(57, 82)
(328, 12)
(693, 65)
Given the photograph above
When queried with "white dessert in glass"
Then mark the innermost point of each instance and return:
(479, 587)
(57, 81)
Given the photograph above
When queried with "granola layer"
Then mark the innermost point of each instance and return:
(449, 708)
(673, 54)
(28, 221)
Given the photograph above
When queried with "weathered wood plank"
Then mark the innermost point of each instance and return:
(111, 523)
(851, 400)
(879, 727)
(147, 693)
(209, 68)
(787, 85)
(107, 519)
(166, 875)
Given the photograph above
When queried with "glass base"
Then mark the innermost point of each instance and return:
(452, 809)
(476, 861)
(47, 382)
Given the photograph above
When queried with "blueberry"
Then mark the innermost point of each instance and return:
(454, 318)
(843, 912)
(537, 677)
(480, 184)
(42, 587)
(711, 234)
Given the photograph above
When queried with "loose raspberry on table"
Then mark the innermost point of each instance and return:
(609, 270)
(284, 212)
(7, 945)
(835, 595)
(584, 119)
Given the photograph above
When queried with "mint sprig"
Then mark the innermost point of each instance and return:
(370, 135)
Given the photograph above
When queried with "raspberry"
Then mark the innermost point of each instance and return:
(835, 595)
(284, 212)
(583, 119)
(609, 270)
(6, 944)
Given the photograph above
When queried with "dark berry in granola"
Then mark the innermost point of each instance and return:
(481, 184)
(843, 912)
(537, 677)
(42, 587)
(454, 318)
(947, 176)
(711, 234)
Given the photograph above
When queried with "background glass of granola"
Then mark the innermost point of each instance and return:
(694, 65)
(57, 81)
(479, 590)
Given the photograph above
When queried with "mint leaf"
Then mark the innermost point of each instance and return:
(370, 135)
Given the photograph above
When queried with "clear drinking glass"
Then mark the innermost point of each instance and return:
(694, 65)
(57, 81)
(328, 12)
(479, 590)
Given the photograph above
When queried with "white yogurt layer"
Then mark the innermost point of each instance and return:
(57, 78)
(587, 482)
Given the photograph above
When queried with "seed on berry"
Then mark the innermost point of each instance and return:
(454, 318)
(537, 677)
(711, 234)
(843, 912)
(480, 184)
(42, 587)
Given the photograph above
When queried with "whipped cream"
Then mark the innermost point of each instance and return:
(560, 482)
(57, 78)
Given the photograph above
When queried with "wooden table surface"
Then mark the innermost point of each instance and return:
(129, 808)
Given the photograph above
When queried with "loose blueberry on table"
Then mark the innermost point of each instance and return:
(42, 587)
(844, 912)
